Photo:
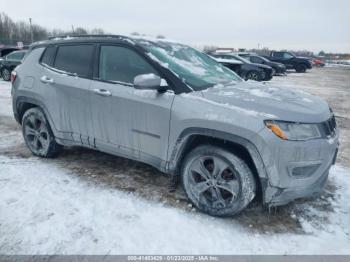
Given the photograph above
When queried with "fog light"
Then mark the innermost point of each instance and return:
(305, 171)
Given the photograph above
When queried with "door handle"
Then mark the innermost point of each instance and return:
(102, 92)
(46, 80)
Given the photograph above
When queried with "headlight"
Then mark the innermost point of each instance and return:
(293, 131)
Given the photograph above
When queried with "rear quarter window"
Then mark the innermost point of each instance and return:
(18, 56)
(74, 59)
(48, 56)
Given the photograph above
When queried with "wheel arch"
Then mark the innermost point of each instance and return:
(301, 63)
(258, 71)
(238, 145)
(3, 68)
(23, 103)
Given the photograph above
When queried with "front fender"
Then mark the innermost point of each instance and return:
(183, 139)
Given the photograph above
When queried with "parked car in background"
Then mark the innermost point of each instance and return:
(9, 62)
(247, 70)
(318, 62)
(232, 64)
(6, 50)
(299, 64)
(256, 59)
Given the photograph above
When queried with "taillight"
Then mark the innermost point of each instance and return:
(13, 76)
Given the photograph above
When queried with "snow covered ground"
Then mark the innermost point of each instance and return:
(49, 209)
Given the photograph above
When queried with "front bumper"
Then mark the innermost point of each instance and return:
(267, 74)
(280, 70)
(295, 169)
(283, 196)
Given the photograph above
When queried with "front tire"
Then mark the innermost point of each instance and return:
(38, 135)
(6, 74)
(300, 68)
(216, 181)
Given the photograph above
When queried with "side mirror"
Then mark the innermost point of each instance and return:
(149, 82)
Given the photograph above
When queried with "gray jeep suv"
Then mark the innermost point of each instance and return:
(177, 109)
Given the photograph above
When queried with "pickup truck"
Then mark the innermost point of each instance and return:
(300, 64)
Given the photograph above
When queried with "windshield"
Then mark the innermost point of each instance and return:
(237, 57)
(195, 69)
(263, 58)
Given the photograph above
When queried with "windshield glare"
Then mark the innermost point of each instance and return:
(194, 68)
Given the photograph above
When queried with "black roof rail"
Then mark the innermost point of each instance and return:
(82, 36)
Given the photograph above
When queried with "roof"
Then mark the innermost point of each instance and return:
(80, 38)
(103, 38)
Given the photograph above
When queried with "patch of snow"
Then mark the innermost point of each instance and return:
(143, 77)
(331, 140)
(226, 93)
(194, 66)
(10, 139)
(5, 102)
(129, 41)
(146, 76)
(307, 100)
(259, 93)
(45, 209)
(151, 38)
(154, 58)
(163, 82)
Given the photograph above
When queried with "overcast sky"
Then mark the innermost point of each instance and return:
(280, 24)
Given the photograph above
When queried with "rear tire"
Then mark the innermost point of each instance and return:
(216, 181)
(6, 74)
(300, 68)
(38, 135)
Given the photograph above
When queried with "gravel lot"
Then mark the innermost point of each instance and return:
(316, 219)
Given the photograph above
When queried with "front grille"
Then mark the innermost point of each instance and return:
(328, 127)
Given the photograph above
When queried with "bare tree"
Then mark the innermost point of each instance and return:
(13, 32)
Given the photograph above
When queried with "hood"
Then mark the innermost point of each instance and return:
(308, 59)
(270, 101)
(276, 64)
(304, 57)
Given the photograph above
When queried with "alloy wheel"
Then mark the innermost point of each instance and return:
(213, 182)
(253, 76)
(6, 74)
(36, 134)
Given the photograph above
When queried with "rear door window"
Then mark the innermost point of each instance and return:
(121, 64)
(287, 55)
(277, 54)
(74, 59)
(255, 59)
